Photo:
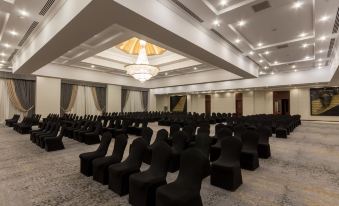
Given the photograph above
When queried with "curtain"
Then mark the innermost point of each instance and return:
(68, 96)
(22, 95)
(134, 102)
(7, 109)
(145, 100)
(99, 96)
(124, 97)
(84, 102)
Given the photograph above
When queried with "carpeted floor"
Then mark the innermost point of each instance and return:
(303, 170)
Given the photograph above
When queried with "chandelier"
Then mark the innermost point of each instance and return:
(142, 70)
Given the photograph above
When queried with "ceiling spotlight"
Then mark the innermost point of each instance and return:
(260, 44)
(295, 70)
(303, 34)
(266, 67)
(319, 60)
(267, 52)
(305, 45)
(272, 73)
(13, 33)
(261, 61)
(293, 66)
(307, 57)
(2, 54)
(7, 45)
(241, 23)
(237, 41)
(251, 53)
(216, 22)
(321, 51)
(195, 68)
(3, 61)
(223, 3)
(297, 4)
(276, 62)
(324, 18)
(23, 13)
(92, 66)
(322, 38)
(166, 73)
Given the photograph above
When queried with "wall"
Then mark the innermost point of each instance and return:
(198, 103)
(47, 99)
(113, 98)
(162, 101)
(223, 102)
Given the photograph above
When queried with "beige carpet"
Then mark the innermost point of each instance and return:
(303, 170)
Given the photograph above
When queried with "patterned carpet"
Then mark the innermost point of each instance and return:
(303, 170)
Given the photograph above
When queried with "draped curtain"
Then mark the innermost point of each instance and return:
(22, 95)
(68, 96)
(7, 109)
(86, 103)
(99, 97)
(145, 100)
(134, 102)
(124, 97)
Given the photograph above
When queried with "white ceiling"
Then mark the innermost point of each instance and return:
(275, 29)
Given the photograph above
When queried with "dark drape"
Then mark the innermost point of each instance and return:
(25, 90)
(178, 103)
(66, 95)
(101, 96)
(145, 99)
(124, 96)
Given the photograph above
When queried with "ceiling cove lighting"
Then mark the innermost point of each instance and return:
(303, 34)
(142, 70)
(297, 4)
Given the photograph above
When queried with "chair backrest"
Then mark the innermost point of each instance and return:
(202, 143)
(161, 154)
(230, 149)
(189, 130)
(162, 135)
(119, 146)
(250, 140)
(203, 130)
(191, 172)
(224, 132)
(174, 129)
(179, 141)
(147, 134)
(136, 152)
(104, 143)
(264, 133)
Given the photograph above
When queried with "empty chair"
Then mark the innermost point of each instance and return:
(216, 148)
(281, 132)
(249, 152)
(14, 120)
(119, 173)
(179, 143)
(264, 149)
(92, 137)
(202, 144)
(142, 186)
(162, 136)
(86, 159)
(226, 171)
(147, 134)
(55, 143)
(185, 190)
(100, 165)
(239, 130)
(189, 130)
(174, 129)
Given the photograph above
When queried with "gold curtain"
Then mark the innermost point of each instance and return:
(95, 97)
(14, 98)
(73, 97)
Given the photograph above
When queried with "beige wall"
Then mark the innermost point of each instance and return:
(162, 101)
(113, 98)
(198, 103)
(47, 99)
(152, 101)
(223, 102)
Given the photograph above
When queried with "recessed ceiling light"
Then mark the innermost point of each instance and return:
(2, 54)
(3, 61)
(7, 45)
(241, 23)
(92, 66)
(324, 18)
(261, 61)
(251, 53)
(319, 60)
(266, 67)
(260, 44)
(23, 13)
(303, 34)
(305, 45)
(267, 52)
(307, 57)
(293, 66)
(195, 68)
(223, 3)
(295, 70)
(322, 38)
(272, 73)
(166, 73)
(237, 41)
(13, 33)
(276, 62)
(216, 22)
(297, 4)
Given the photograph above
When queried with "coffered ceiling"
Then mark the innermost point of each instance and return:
(279, 35)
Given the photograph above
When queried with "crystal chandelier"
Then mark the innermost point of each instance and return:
(142, 70)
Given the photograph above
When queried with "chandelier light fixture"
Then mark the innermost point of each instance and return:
(142, 70)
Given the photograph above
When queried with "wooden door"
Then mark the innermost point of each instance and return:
(208, 104)
(238, 104)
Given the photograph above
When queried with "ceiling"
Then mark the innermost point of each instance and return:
(280, 36)
(18, 20)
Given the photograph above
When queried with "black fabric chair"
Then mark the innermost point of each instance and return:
(142, 186)
(185, 190)
(222, 133)
(147, 134)
(226, 171)
(174, 128)
(86, 159)
(281, 132)
(264, 149)
(189, 130)
(202, 144)
(14, 120)
(100, 165)
(119, 173)
(162, 136)
(55, 143)
(179, 143)
(249, 153)
(92, 137)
